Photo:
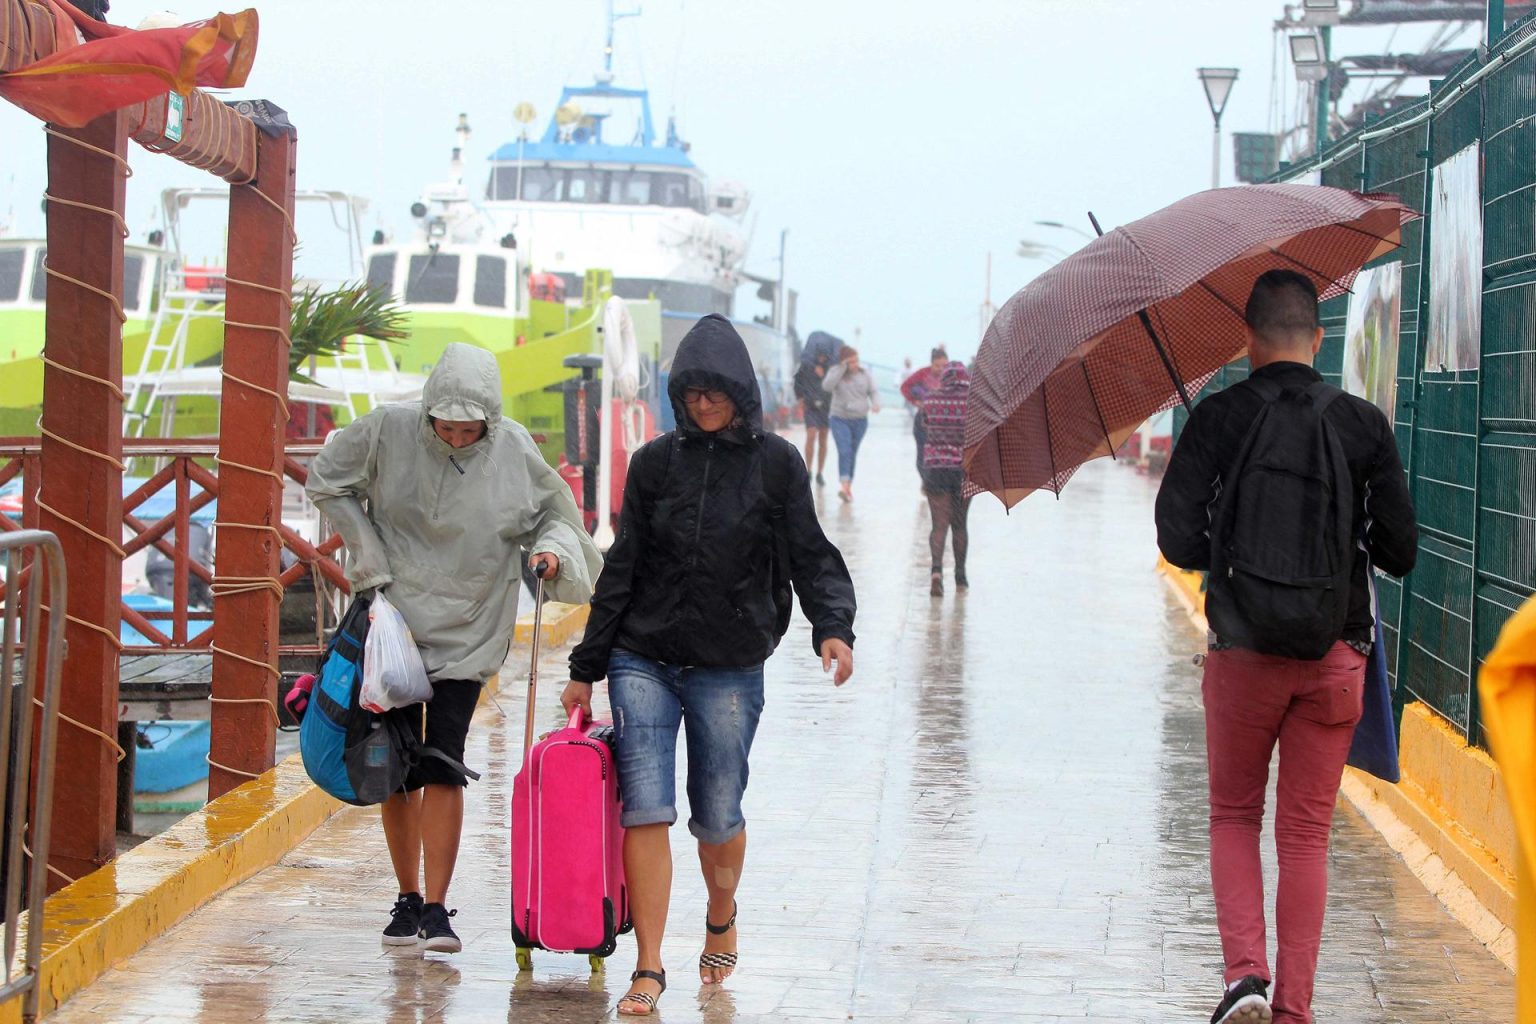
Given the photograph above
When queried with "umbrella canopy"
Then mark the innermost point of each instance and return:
(1068, 369)
(821, 346)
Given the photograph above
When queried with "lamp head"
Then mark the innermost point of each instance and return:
(1218, 84)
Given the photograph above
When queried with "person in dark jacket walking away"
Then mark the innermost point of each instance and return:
(943, 410)
(816, 404)
(1255, 700)
(854, 396)
(717, 520)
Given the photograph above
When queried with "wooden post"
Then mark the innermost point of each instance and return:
(81, 493)
(251, 441)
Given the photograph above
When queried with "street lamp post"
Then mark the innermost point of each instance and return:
(1218, 87)
(1064, 227)
(1029, 249)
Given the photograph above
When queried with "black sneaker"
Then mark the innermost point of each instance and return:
(1245, 1003)
(436, 930)
(819, 480)
(405, 920)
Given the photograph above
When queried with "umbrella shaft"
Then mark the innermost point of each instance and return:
(1157, 343)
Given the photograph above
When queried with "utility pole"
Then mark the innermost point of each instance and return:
(779, 298)
(1325, 90)
(1495, 30)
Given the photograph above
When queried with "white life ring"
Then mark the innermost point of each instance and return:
(621, 352)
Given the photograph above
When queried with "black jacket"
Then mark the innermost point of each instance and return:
(689, 579)
(1209, 445)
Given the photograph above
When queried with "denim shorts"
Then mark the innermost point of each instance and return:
(719, 708)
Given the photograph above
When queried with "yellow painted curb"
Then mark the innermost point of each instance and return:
(1188, 587)
(1450, 799)
(1442, 856)
(561, 622)
(115, 911)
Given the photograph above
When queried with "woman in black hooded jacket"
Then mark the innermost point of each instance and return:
(717, 521)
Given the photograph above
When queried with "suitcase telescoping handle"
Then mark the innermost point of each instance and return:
(533, 667)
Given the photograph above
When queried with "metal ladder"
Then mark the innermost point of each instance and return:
(166, 349)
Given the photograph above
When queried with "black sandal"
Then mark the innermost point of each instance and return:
(717, 961)
(645, 999)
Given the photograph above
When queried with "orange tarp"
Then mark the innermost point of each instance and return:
(109, 67)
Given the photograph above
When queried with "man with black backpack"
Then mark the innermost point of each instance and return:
(1287, 491)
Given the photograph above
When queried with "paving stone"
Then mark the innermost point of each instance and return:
(1002, 818)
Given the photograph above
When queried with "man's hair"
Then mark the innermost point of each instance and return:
(1283, 308)
(937, 354)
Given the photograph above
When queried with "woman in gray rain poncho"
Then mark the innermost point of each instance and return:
(454, 493)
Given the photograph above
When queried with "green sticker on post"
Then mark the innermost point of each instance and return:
(175, 115)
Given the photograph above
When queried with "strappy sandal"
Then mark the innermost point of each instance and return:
(644, 999)
(718, 961)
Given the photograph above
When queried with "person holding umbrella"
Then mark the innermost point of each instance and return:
(815, 404)
(1082, 355)
(854, 396)
(1237, 497)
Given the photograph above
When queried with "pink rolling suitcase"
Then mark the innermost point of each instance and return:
(568, 892)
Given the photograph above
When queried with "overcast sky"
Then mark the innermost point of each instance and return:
(898, 142)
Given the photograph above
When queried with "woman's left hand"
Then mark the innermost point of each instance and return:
(833, 649)
(551, 565)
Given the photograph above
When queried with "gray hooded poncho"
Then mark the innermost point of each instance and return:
(444, 528)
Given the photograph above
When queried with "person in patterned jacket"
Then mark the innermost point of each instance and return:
(943, 417)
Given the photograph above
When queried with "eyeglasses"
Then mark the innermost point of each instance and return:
(694, 396)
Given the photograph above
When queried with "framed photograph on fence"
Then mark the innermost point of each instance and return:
(1455, 264)
(1372, 328)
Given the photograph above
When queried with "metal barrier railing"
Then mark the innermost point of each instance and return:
(29, 677)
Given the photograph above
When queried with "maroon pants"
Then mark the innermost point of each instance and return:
(1252, 702)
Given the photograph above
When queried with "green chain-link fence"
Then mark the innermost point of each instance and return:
(1468, 437)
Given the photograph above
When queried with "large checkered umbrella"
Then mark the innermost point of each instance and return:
(1141, 317)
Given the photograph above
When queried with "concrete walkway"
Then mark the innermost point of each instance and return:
(1001, 818)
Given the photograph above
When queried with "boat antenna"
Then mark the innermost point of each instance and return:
(614, 17)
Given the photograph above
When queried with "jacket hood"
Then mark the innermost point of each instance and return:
(712, 355)
(954, 378)
(464, 385)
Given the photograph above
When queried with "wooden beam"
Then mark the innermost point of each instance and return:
(251, 442)
(213, 138)
(209, 135)
(82, 471)
(27, 33)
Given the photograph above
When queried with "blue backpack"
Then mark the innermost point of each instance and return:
(356, 755)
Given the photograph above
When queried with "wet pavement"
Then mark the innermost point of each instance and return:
(1001, 818)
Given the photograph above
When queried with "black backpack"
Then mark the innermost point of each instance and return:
(1282, 549)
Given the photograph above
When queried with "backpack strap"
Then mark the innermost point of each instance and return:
(1323, 395)
(410, 741)
(450, 762)
(658, 486)
(776, 489)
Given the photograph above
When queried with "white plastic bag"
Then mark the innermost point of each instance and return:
(393, 675)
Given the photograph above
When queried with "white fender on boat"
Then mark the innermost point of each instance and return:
(621, 379)
(621, 352)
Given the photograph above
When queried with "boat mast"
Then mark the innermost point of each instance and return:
(614, 16)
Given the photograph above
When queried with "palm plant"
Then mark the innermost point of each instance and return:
(322, 322)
